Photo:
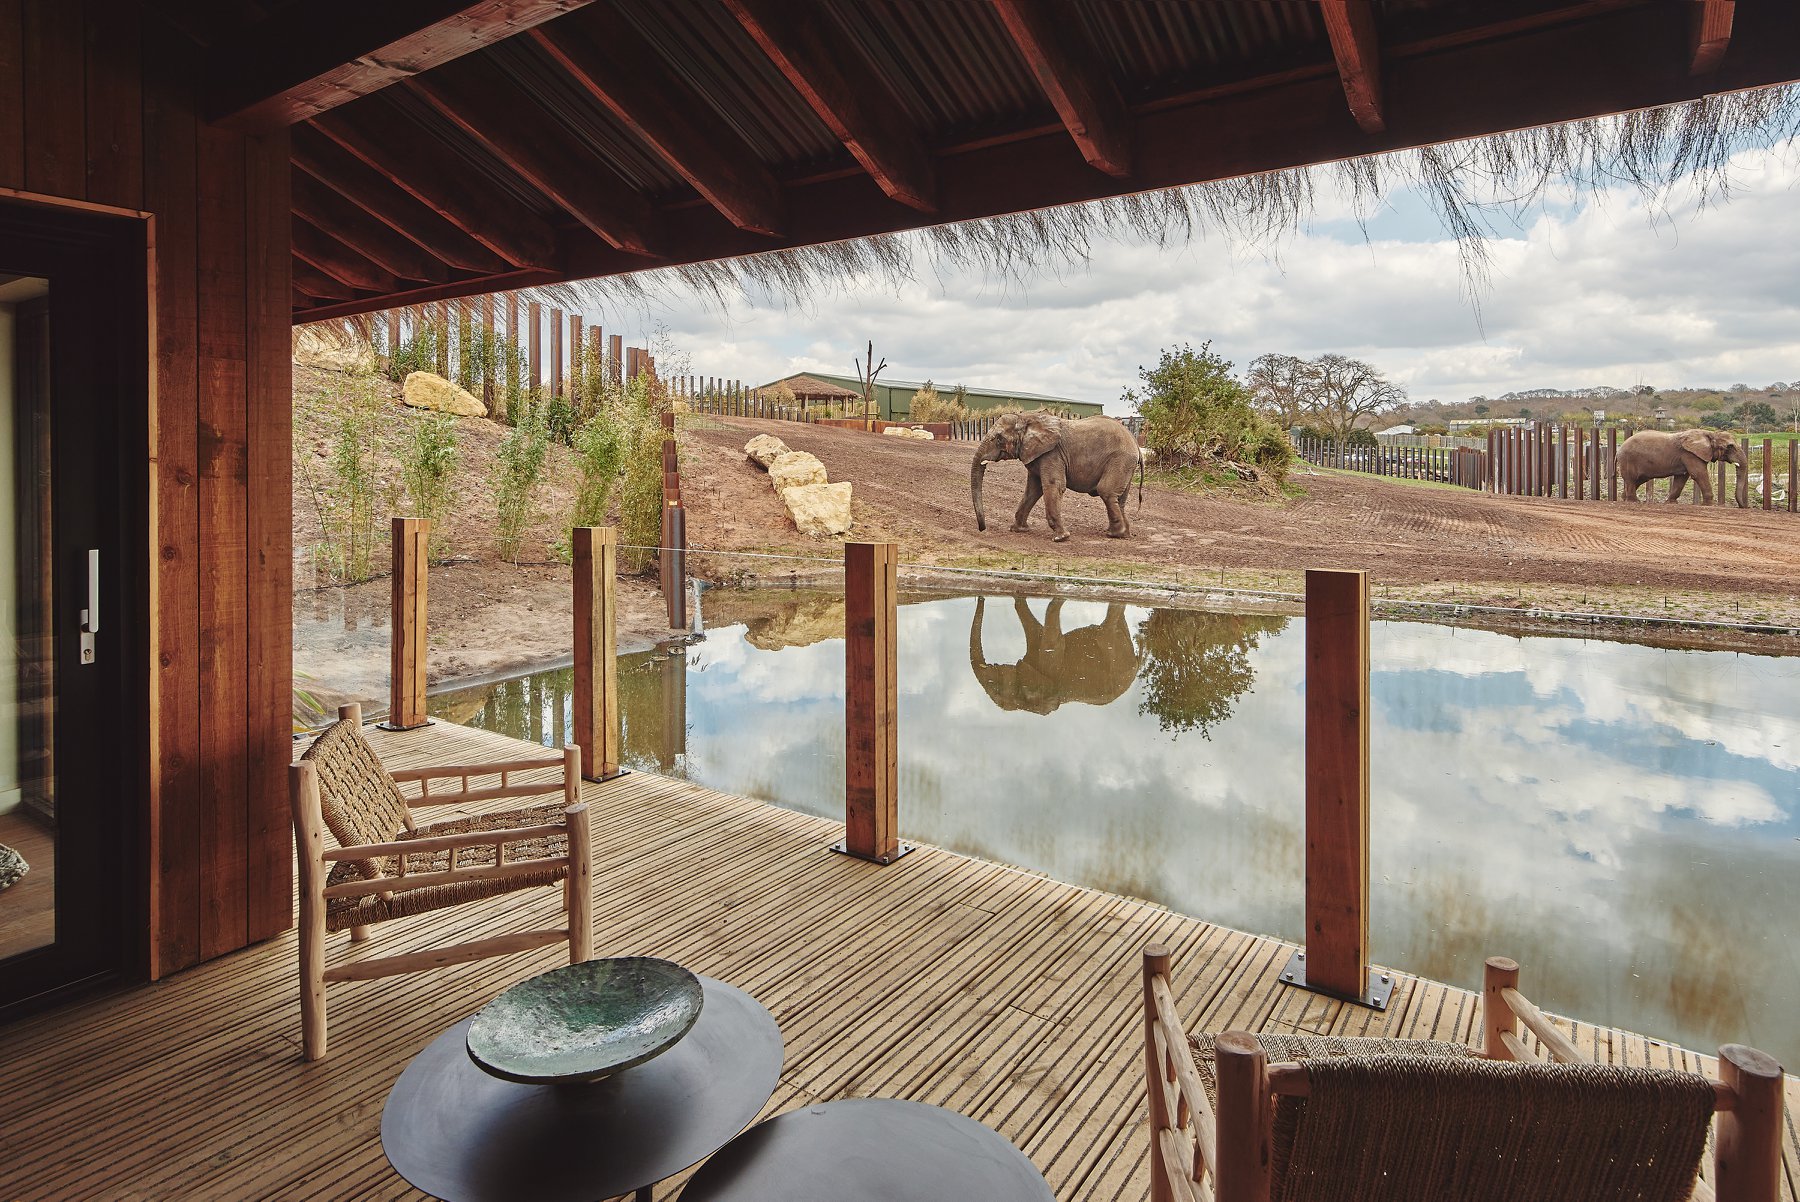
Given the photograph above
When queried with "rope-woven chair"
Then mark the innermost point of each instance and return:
(385, 866)
(1292, 1118)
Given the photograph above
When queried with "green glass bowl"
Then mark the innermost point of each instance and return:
(586, 1021)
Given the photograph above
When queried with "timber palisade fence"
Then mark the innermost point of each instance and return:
(722, 397)
(1564, 462)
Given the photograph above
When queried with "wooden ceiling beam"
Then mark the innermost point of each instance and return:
(1709, 34)
(378, 196)
(308, 58)
(486, 104)
(1350, 24)
(1072, 76)
(318, 285)
(601, 50)
(846, 91)
(453, 191)
(331, 213)
(320, 250)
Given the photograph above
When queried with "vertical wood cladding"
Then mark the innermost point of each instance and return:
(99, 103)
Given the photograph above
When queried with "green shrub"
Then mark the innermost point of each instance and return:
(518, 470)
(600, 452)
(1196, 414)
(428, 470)
(928, 405)
(349, 509)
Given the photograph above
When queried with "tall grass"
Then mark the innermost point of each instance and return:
(640, 491)
(518, 470)
(428, 470)
(349, 509)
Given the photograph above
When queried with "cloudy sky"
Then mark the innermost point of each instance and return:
(1586, 290)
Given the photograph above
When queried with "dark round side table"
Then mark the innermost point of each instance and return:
(870, 1149)
(457, 1133)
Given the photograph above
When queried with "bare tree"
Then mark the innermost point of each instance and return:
(1281, 387)
(866, 371)
(1344, 391)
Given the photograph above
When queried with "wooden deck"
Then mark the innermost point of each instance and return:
(1000, 994)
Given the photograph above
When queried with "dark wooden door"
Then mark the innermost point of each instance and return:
(74, 404)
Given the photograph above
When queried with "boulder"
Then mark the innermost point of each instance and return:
(764, 449)
(796, 469)
(907, 432)
(317, 347)
(423, 390)
(821, 510)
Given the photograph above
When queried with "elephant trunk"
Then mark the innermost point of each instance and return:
(977, 474)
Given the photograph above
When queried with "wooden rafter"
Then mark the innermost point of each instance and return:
(316, 284)
(1078, 86)
(1710, 34)
(846, 91)
(384, 200)
(308, 58)
(607, 55)
(1350, 24)
(447, 188)
(334, 215)
(320, 250)
(498, 113)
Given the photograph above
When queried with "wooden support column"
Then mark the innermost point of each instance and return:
(871, 776)
(596, 560)
(1335, 961)
(406, 626)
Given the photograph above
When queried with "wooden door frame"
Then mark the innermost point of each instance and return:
(132, 529)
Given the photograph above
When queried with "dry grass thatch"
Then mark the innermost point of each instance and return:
(1673, 154)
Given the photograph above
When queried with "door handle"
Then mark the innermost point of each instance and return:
(90, 617)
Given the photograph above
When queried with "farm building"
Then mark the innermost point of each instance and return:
(894, 397)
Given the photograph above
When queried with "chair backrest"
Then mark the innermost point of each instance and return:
(1418, 1127)
(357, 798)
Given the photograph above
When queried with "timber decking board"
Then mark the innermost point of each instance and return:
(1003, 995)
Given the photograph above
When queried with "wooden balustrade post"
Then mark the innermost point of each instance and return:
(1335, 960)
(406, 625)
(595, 551)
(674, 564)
(871, 777)
(1156, 964)
(1497, 1018)
(1747, 1138)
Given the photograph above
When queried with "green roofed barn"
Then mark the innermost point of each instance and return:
(894, 397)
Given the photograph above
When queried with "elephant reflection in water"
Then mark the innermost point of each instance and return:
(1093, 664)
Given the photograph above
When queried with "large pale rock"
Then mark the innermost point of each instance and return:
(905, 432)
(423, 390)
(332, 351)
(796, 469)
(799, 623)
(764, 450)
(821, 510)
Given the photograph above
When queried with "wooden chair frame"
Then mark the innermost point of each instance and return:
(315, 860)
(1197, 1155)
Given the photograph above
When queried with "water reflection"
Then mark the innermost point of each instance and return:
(1625, 820)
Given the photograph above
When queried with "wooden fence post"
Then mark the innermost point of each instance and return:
(1793, 489)
(596, 555)
(1335, 960)
(575, 378)
(534, 345)
(556, 353)
(406, 625)
(871, 776)
(1612, 463)
(393, 332)
(1768, 473)
(1719, 491)
(1743, 474)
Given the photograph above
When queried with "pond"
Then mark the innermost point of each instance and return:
(1622, 819)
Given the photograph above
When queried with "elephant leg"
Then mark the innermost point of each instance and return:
(1696, 467)
(1053, 495)
(1034, 488)
(1677, 482)
(1117, 525)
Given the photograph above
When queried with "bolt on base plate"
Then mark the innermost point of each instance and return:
(842, 850)
(1380, 985)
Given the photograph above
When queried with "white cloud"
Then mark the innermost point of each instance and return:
(1598, 293)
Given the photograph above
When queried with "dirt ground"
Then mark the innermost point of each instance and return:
(1427, 543)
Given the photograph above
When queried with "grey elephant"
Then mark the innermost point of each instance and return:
(1656, 455)
(1093, 455)
(1092, 664)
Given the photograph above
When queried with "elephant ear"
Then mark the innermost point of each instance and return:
(1698, 443)
(1042, 432)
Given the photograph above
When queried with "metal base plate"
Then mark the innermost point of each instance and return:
(1380, 985)
(905, 849)
(420, 726)
(601, 780)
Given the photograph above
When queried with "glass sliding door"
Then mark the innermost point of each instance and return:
(73, 329)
